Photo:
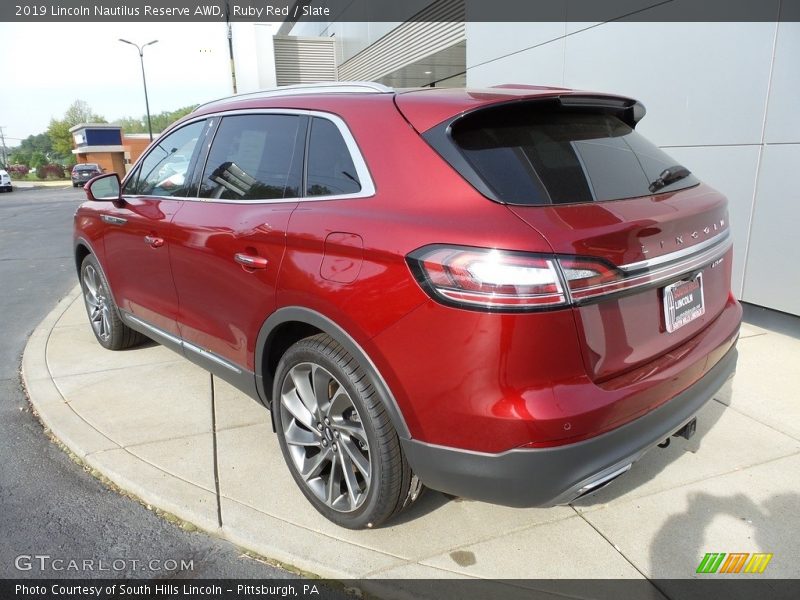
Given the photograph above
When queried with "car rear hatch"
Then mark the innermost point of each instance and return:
(643, 247)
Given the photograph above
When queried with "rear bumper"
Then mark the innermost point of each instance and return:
(557, 475)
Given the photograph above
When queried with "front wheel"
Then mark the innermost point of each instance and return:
(103, 315)
(336, 436)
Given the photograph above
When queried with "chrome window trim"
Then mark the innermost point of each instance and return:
(362, 170)
(677, 254)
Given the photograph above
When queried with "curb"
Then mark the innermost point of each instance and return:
(85, 396)
(83, 440)
(288, 545)
(40, 185)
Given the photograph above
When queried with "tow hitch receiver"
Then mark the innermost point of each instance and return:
(687, 431)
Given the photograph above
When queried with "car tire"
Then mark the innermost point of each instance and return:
(103, 313)
(337, 438)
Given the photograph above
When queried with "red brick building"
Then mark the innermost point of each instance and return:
(107, 146)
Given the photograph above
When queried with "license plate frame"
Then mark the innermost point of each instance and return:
(683, 302)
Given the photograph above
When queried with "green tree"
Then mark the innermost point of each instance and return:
(61, 137)
(131, 125)
(78, 112)
(18, 156)
(37, 159)
(159, 121)
(21, 155)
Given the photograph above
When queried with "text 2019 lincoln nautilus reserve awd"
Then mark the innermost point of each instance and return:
(505, 294)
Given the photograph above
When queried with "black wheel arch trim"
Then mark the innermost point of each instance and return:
(81, 241)
(77, 243)
(326, 325)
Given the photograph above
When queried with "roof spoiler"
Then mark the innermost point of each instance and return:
(629, 110)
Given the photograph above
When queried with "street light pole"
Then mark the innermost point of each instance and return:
(144, 80)
(230, 45)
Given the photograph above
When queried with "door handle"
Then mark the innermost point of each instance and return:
(250, 261)
(153, 241)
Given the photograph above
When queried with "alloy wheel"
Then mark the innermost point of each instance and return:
(325, 437)
(96, 303)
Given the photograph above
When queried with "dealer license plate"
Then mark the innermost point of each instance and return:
(683, 302)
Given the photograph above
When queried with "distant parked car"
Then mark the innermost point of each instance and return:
(83, 173)
(5, 182)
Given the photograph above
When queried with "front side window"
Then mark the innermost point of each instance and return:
(255, 157)
(331, 171)
(164, 170)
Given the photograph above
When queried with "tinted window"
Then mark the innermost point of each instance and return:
(530, 157)
(255, 157)
(163, 171)
(330, 168)
(129, 188)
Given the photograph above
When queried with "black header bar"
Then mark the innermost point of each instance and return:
(68, 11)
(710, 588)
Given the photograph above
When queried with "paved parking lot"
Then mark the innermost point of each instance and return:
(143, 418)
(48, 504)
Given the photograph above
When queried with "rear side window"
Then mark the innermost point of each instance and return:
(330, 170)
(531, 157)
(255, 157)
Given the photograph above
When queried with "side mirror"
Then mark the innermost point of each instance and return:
(103, 188)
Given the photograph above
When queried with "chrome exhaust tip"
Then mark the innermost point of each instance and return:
(602, 481)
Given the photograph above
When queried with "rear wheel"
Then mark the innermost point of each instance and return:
(336, 436)
(103, 315)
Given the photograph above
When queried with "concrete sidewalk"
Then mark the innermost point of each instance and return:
(143, 418)
(28, 185)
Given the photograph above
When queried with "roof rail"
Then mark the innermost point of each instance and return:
(326, 87)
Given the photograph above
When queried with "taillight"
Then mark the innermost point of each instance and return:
(587, 277)
(488, 278)
(513, 281)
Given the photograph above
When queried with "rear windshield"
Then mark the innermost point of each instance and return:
(556, 157)
(85, 168)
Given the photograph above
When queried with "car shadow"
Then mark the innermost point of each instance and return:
(657, 459)
(772, 320)
(430, 501)
(647, 468)
(682, 541)
(146, 343)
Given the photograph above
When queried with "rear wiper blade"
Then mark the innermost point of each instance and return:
(669, 176)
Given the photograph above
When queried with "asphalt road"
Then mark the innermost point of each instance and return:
(48, 505)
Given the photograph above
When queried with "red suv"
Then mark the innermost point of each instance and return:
(504, 294)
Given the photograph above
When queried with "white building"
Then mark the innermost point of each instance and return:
(722, 98)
